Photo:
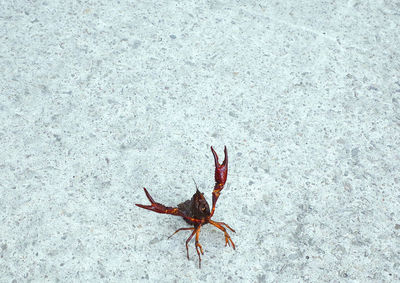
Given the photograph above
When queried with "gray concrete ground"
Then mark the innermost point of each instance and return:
(101, 98)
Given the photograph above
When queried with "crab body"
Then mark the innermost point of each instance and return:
(196, 211)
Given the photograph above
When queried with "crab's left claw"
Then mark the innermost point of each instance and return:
(221, 170)
(221, 174)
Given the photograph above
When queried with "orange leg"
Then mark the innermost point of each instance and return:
(227, 226)
(198, 246)
(228, 239)
(190, 237)
(181, 229)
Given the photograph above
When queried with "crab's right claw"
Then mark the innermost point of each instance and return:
(158, 207)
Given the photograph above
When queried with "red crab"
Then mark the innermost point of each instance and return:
(196, 211)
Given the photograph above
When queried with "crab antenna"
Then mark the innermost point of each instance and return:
(197, 188)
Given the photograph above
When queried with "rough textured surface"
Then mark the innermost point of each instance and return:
(101, 98)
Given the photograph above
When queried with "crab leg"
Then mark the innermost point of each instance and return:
(196, 232)
(226, 225)
(190, 237)
(228, 240)
(181, 229)
(221, 173)
(198, 246)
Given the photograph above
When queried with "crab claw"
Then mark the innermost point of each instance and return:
(221, 170)
(221, 173)
(158, 207)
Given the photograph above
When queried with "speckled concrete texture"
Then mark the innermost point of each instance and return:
(99, 99)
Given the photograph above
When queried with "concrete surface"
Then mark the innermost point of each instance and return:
(101, 98)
